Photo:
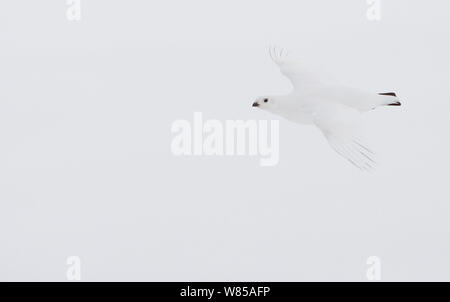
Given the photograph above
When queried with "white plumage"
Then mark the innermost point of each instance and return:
(335, 109)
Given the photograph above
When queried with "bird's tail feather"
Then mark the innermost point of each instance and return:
(390, 99)
(388, 93)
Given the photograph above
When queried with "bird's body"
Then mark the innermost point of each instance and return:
(300, 106)
(335, 109)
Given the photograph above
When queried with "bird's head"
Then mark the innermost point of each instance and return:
(265, 102)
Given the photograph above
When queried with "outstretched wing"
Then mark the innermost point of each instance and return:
(341, 126)
(301, 77)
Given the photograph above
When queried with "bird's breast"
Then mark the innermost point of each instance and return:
(300, 116)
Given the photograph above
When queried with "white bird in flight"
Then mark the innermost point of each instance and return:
(335, 109)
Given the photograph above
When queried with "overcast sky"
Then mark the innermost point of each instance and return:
(86, 168)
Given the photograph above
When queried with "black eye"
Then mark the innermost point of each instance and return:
(266, 100)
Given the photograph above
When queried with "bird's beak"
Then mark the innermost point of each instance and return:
(255, 104)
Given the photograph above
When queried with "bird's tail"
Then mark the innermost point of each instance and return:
(390, 99)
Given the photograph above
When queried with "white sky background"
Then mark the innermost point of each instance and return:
(86, 167)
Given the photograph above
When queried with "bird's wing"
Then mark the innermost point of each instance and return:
(302, 77)
(341, 126)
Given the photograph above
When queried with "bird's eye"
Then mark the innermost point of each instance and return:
(266, 100)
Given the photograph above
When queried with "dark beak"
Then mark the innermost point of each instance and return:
(255, 104)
